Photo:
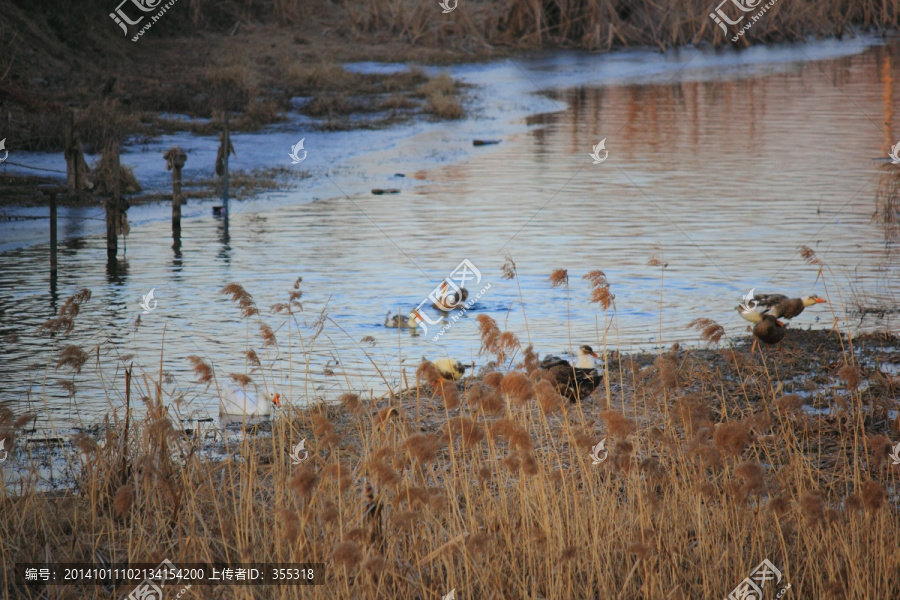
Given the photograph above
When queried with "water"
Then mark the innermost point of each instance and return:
(723, 162)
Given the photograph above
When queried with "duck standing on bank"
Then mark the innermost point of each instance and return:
(577, 381)
(766, 327)
(782, 307)
(449, 368)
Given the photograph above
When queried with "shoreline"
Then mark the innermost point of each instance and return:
(811, 355)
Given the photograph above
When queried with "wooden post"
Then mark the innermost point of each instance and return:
(52, 234)
(112, 207)
(175, 159)
(71, 160)
(227, 143)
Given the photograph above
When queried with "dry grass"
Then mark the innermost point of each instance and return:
(487, 487)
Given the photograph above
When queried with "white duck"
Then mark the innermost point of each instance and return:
(239, 402)
(584, 358)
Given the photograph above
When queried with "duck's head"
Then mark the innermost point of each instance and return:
(587, 351)
(274, 398)
(415, 316)
(810, 300)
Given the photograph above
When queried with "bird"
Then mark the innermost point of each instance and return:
(574, 382)
(449, 368)
(398, 321)
(450, 299)
(767, 328)
(782, 307)
(239, 402)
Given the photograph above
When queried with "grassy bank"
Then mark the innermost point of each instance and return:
(719, 457)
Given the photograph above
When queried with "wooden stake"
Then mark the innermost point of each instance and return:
(71, 162)
(53, 235)
(227, 144)
(112, 207)
(175, 159)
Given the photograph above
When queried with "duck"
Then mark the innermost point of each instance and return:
(396, 321)
(450, 299)
(577, 381)
(449, 368)
(767, 327)
(782, 307)
(239, 402)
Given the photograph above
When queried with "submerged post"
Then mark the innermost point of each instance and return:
(226, 143)
(52, 235)
(175, 159)
(225, 148)
(112, 206)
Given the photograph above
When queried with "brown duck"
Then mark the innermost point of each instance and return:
(767, 328)
(575, 382)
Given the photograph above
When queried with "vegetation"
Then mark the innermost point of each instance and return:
(718, 458)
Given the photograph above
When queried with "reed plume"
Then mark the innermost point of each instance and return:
(873, 496)
(422, 448)
(65, 319)
(600, 293)
(73, 358)
(710, 331)
(242, 297)
(303, 482)
(732, 438)
(202, 370)
(559, 278)
(517, 386)
(813, 508)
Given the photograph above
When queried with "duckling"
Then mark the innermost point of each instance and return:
(396, 321)
(449, 368)
(782, 307)
(574, 382)
(450, 299)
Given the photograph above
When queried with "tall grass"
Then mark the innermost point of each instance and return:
(486, 486)
(614, 23)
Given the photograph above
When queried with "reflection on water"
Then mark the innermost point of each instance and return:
(725, 177)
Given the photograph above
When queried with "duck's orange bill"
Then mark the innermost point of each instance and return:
(594, 354)
(820, 300)
(276, 400)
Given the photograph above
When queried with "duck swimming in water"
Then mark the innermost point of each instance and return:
(450, 299)
(782, 307)
(396, 321)
(574, 382)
